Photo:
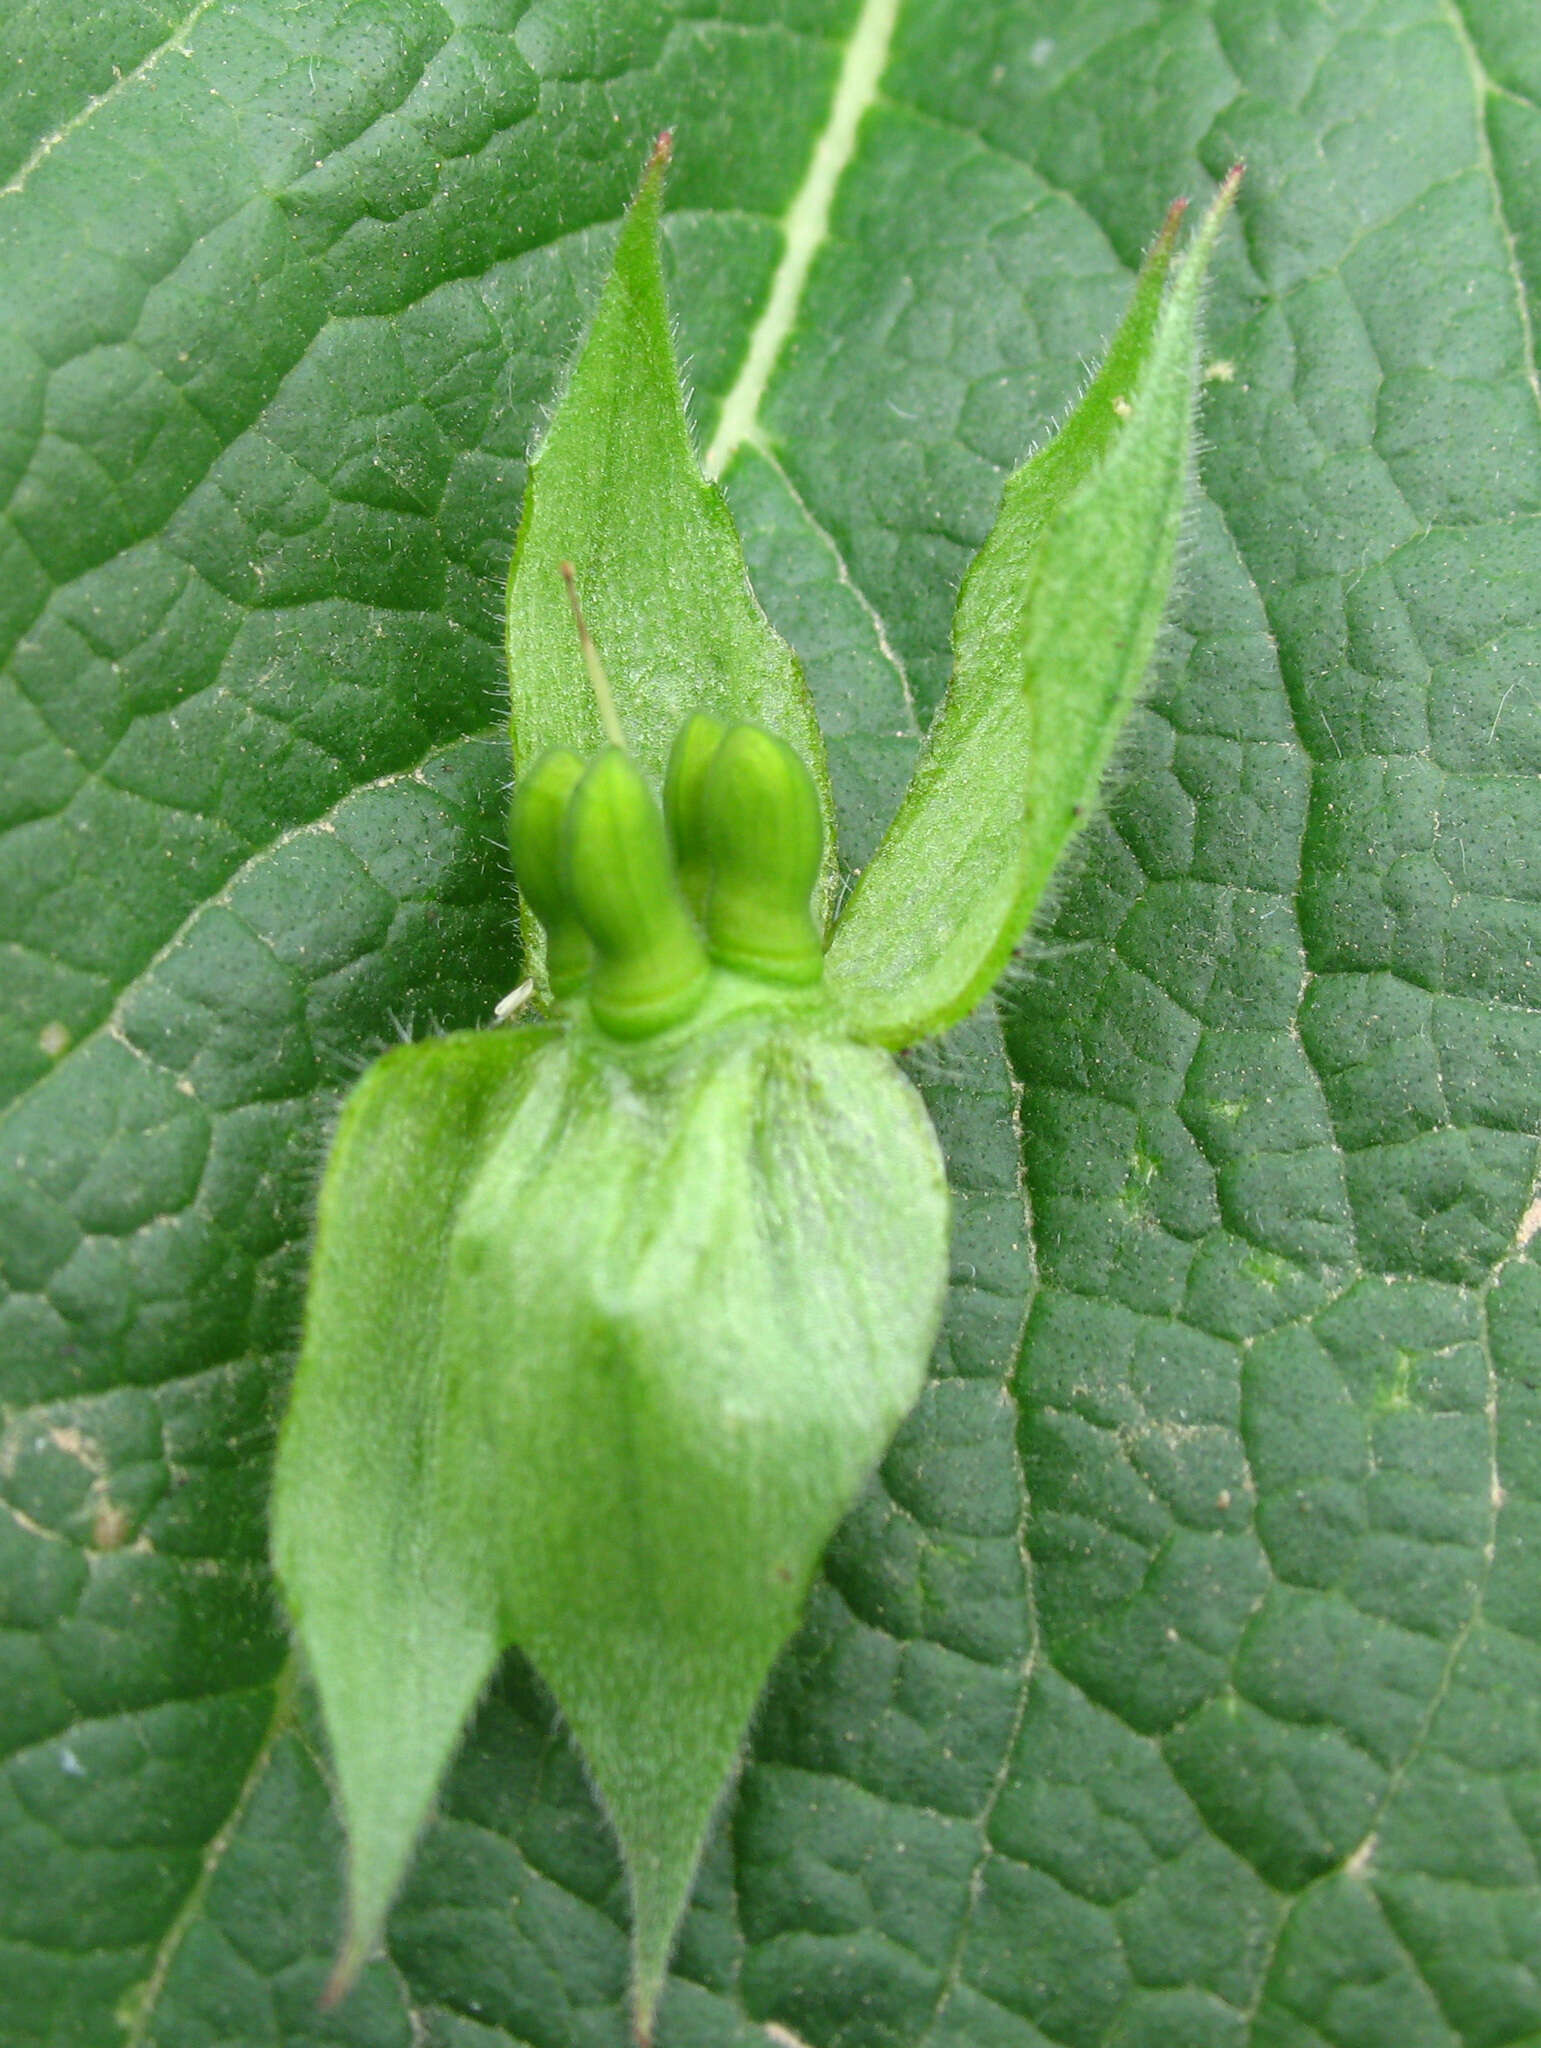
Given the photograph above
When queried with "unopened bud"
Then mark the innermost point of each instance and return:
(689, 758)
(764, 836)
(536, 827)
(650, 969)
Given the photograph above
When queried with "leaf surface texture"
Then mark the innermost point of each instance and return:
(1176, 1684)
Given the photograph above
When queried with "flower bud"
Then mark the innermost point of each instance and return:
(689, 758)
(760, 820)
(650, 970)
(535, 838)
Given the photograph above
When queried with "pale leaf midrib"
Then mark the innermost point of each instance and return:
(176, 41)
(805, 227)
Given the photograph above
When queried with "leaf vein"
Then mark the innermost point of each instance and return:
(175, 42)
(166, 1954)
(805, 227)
(1484, 89)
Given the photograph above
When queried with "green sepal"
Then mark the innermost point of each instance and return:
(380, 1561)
(759, 820)
(602, 1341)
(650, 968)
(616, 490)
(1054, 630)
(684, 1317)
(537, 834)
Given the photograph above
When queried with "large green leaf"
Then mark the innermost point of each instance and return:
(1178, 1683)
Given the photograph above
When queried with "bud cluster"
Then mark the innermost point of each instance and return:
(637, 902)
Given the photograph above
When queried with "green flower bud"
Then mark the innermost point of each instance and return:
(760, 820)
(690, 757)
(650, 969)
(536, 839)
(603, 1338)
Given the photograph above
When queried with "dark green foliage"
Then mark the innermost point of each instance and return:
(1232, 1738)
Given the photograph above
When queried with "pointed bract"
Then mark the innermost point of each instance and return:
(1054, 630)
(601, 1344)
(616, 490)
(380, 1568)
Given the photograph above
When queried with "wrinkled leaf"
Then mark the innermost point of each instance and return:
(265, 425)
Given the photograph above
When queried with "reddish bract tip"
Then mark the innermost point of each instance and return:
(338, 1985)
(1169, 227)
(663, 149)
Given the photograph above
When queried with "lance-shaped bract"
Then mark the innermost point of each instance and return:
(610, 1317)
(1053, 634)
(616, 491)
(602, 1339)
(374, 1547)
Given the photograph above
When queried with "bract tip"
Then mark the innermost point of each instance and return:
(342, 1980)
